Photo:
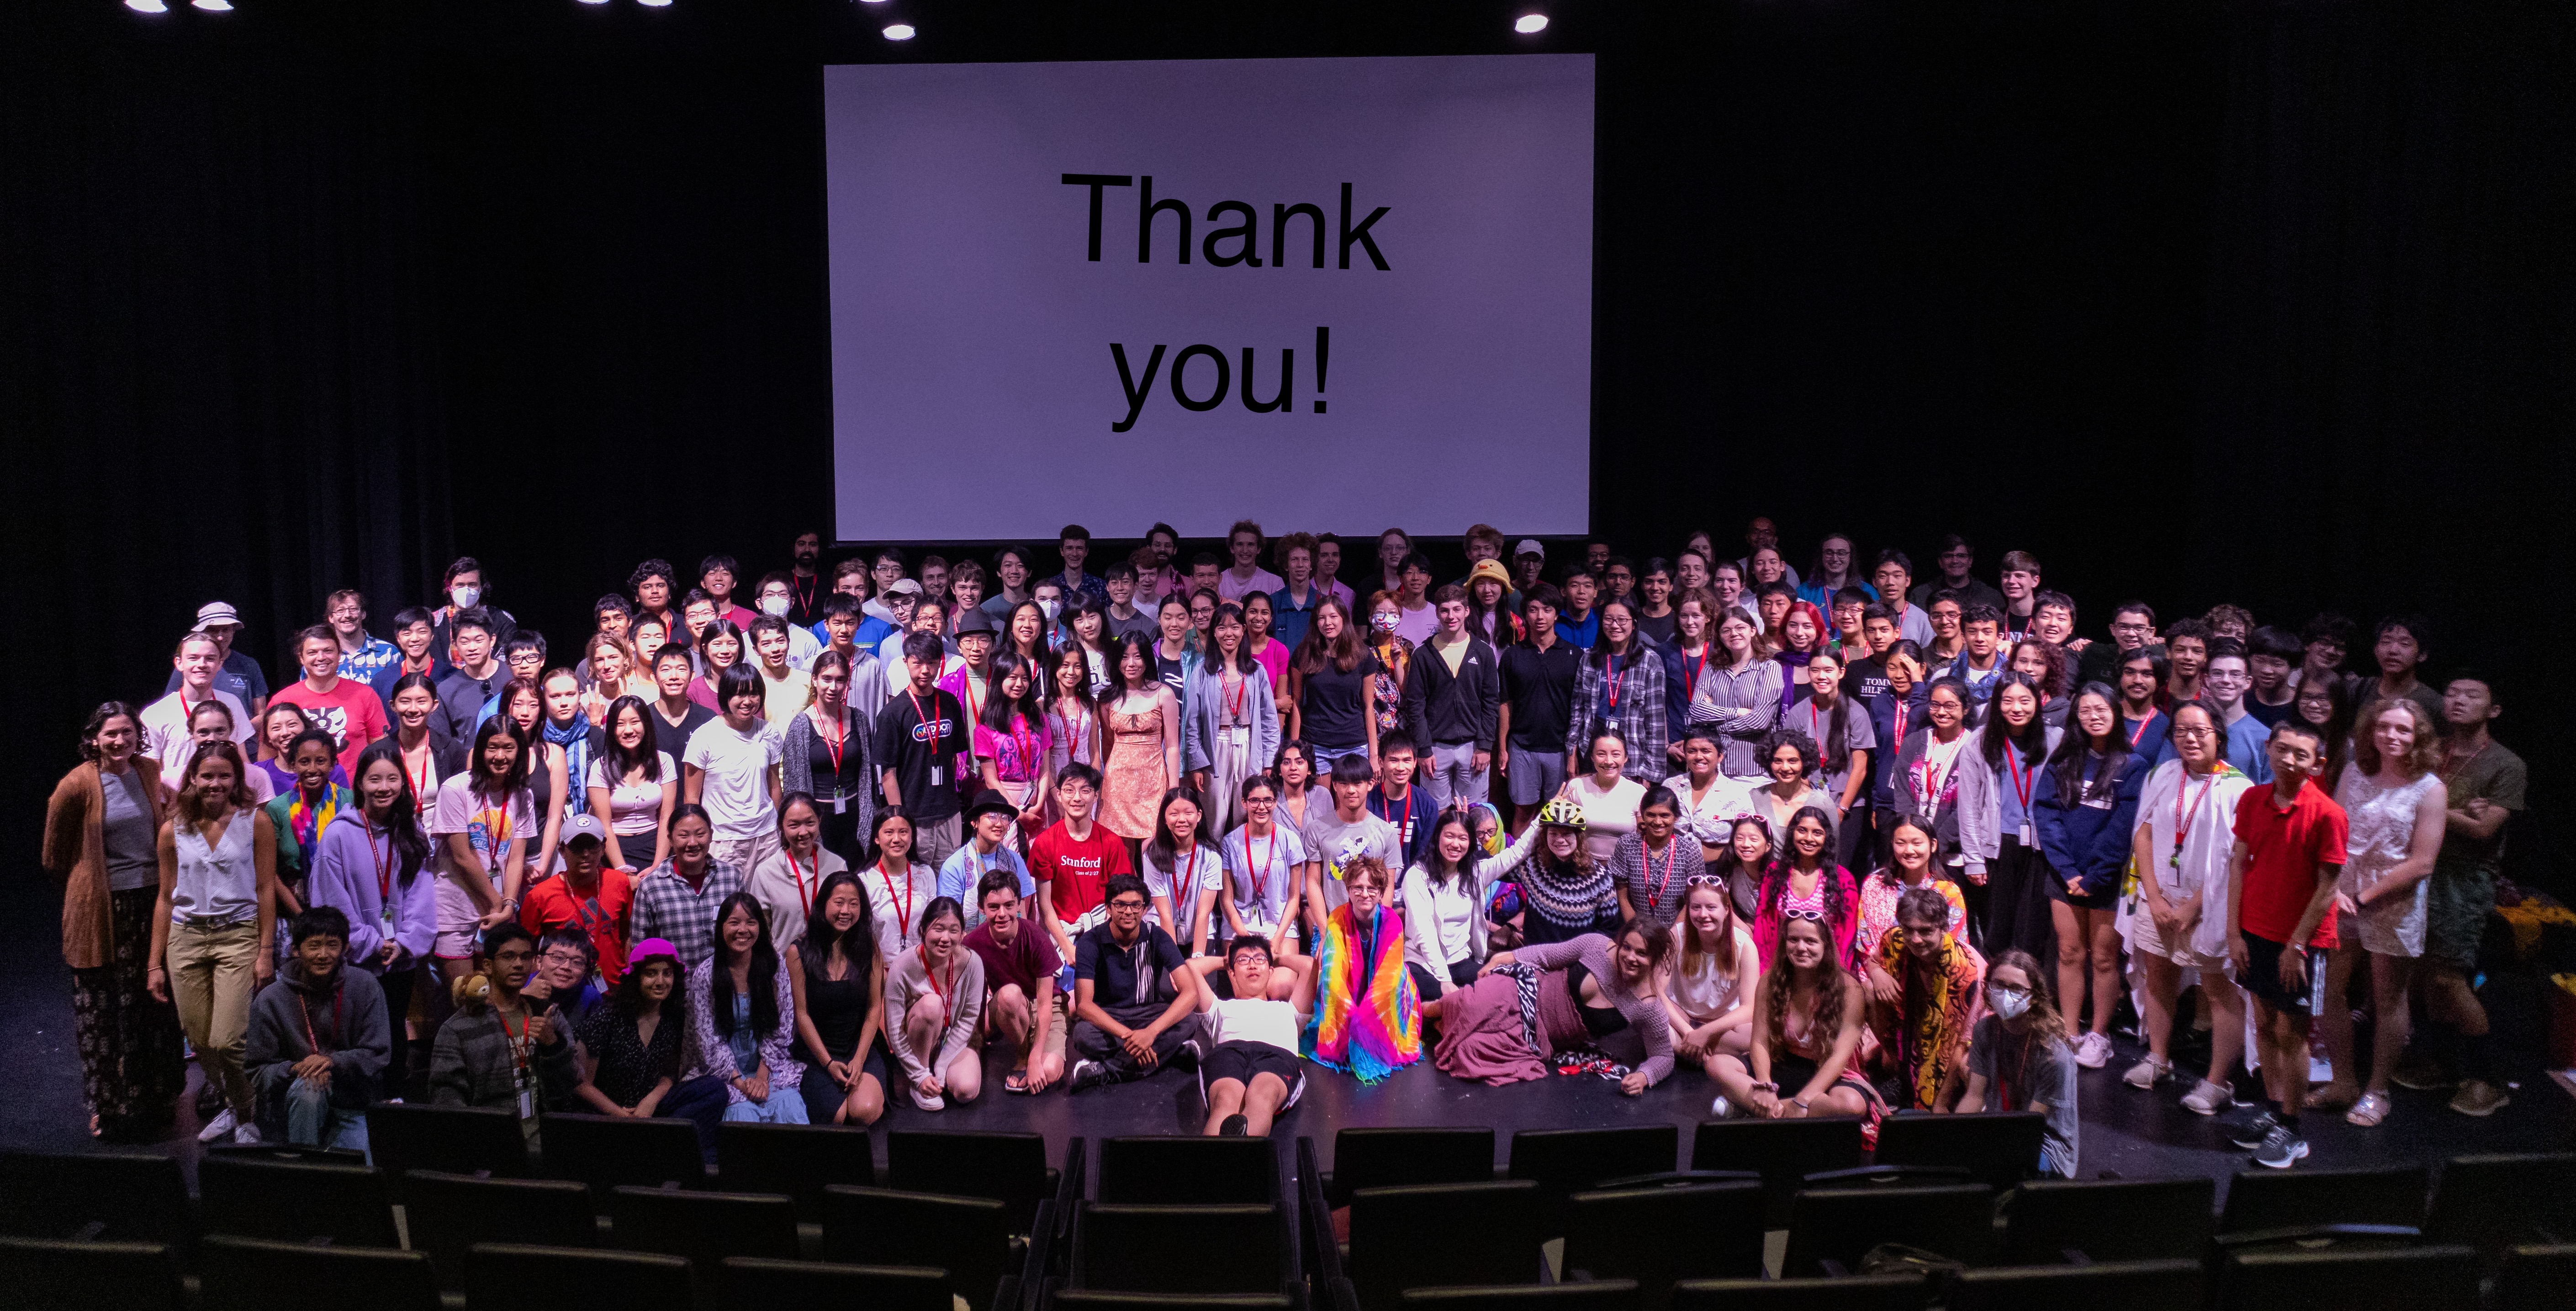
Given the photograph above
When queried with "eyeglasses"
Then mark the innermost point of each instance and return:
(1129, 906)
(2195, 732)
(1811, 916)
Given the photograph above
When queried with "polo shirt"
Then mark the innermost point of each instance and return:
(2283, 850)
(1125, 975)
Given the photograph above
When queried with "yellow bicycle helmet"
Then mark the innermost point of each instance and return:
(1562, 812)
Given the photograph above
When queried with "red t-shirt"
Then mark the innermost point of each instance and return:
(349, 712)
(1075, 873)
(2283, 850)
(603, 915)
(1030, 957)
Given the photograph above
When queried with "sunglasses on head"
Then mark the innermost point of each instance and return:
(1811, 916)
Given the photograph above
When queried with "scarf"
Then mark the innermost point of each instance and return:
(1932, 1013)
(306, 821)
(1562, 894)
(1368, 1017)
(574, 738)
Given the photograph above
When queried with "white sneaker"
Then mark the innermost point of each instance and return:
(247, 1135)
(218, 1128)
(1718, 1110)
(2093, 1051)
(2147, 1073)
(2208, 1098)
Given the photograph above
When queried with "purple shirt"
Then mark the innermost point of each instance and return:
(345, 874)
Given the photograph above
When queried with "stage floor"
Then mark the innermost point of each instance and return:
(2126, 1132)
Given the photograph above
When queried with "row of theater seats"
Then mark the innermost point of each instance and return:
(456, 1212)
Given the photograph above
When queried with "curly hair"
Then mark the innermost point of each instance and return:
(1777, 983)
(1788, 737)
(2421, 760)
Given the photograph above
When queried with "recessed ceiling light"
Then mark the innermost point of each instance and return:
(1530, 24)
(147, 6)
(898, 32)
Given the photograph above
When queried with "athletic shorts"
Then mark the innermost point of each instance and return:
(1536, 775)
(2263, 977)
(1244, 1061)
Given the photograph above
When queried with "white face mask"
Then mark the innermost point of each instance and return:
(464, 596)
(1384, 623)
(1050, 607)
(2010, 1003)
(774, 605)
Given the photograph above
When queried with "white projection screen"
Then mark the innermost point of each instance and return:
(1005, 359)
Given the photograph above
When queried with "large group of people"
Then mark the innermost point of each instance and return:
(1842, 843)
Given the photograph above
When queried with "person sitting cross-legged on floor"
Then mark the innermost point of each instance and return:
(318, 1040)
(1133, 999)
(1252, 1072)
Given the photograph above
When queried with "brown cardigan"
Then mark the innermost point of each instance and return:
(76, 852)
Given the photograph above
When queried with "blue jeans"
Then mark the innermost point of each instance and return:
(312, 1121)
(785, 1106)
(1325, 756)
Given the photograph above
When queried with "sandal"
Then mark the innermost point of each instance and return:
(2369, 1111)
(1017, 1081)
(2331, 1096)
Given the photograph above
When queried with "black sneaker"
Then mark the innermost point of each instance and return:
(1087, 1074)
(1234, 1127)
(2250, 1129)
(2281, 1149)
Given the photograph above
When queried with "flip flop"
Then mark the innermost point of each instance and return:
(1017, 1081)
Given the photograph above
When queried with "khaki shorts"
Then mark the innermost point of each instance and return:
(1059, 1020)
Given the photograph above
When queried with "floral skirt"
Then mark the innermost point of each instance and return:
(132, 1064)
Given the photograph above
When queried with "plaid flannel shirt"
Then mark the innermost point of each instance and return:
(1641, 685)
(666, 908)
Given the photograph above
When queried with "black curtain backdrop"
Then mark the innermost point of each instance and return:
(2261, 302)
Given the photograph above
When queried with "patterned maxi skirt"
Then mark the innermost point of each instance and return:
(132, 1070)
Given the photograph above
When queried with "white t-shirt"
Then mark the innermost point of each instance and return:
(1260, 890)
(1255, 1019)
(165, 729)
(488, 828)
(635, 809)
(1204, 864)
(1229, 589)
(737, 766)
(1608, 814)
(1708, 992)
(1417, 626)
(895, 905)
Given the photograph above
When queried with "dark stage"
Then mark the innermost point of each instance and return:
(2129, 1133)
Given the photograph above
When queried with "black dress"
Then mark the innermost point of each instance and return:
(839, 1009)
(629, 1067)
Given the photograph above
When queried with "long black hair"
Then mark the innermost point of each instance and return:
(997, 711)
(2068, 763)
(411, 846)
(2033, 739)
(631, 1003)
(1600, 653)
(764, 971)
(1836, 746)
(1244, 664)
(1465, 870)
(1162, 849)
(647, 754)
(478, 778)
(858, 943)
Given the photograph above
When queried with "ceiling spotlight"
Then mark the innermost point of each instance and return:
(147, 6)
(213, 6)
(1530, 24)
(898, 32)
(654, 4)
(594, 2)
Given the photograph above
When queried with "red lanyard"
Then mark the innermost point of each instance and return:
(902, 928)
(936, 989)
(797, 872)
(1655, 888)
(384, 864)
(1617, 676)
(1900, 722)
(339, 1004)
(1260, 865)
(186, 714)
(2141, 731)
(497, 836)
(420, 786)
(1691, 671)
(966, 691)
(2185, 817)
(518, 1041)
(833, 742)
(923, 716)
(1235, 700)
(805, 592)
(1189, 881)
(2022, 779)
